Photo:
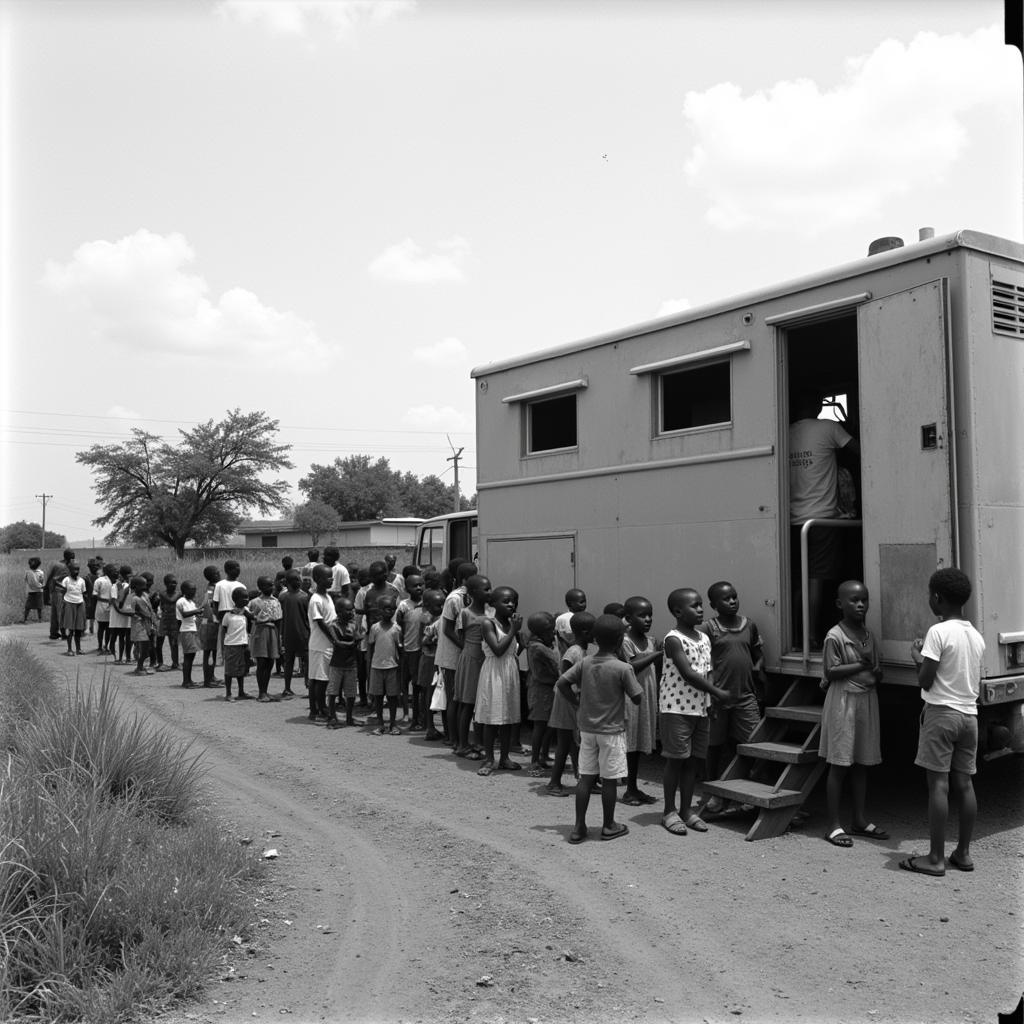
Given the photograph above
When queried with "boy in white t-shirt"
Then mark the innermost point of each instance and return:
(949, 665)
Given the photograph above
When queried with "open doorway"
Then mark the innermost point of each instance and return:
(822, 388)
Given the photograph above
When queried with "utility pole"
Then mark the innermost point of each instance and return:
(42, 539)
(454, 460)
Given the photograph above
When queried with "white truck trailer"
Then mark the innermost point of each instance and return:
(655, 457)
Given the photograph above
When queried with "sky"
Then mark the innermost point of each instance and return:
(332, 211)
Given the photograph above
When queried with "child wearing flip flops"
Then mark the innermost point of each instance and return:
(498, 705)
(686, 691)
(604, 682)
(850, 736)
(543, 664)
(562, 721)
(949, 666)
(645, 656)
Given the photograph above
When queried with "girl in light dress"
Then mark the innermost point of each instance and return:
(469, 630)
(72, 623)
(497, 706)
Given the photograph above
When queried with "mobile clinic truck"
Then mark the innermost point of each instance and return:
(655, 457)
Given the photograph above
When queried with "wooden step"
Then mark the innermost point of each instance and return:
(795, 712)
(746, 791)
(791, 753)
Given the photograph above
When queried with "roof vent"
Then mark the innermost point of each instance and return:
(885, 244)
(923, 234)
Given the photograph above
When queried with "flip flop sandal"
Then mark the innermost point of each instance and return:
(632, 801)
(955, 862)
(510, 766)
(870, 832)
(838, 837)
(486, 768)
(646, 798)
(577, 837)
(674, 824)
(697, 824)
(622, 830)
(912, 864)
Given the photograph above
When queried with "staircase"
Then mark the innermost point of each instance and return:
(783, 748)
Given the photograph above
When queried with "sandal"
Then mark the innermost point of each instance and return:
(510, 766)
(961, 865)
(838, 837)
(622, 830)
(671, 822)
(870, 832)
(486, 768)
(631, 799)
(473, 755)
(697, 823)
(577, 837)
(914, 864)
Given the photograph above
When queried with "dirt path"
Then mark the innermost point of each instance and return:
(403, 880)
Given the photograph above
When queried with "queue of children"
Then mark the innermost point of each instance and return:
(423, 642)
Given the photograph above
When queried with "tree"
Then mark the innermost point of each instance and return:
(27, 535)
(196, 490)
(316, 517)
(357, 487)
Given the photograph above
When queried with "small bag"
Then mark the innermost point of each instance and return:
(439, 699)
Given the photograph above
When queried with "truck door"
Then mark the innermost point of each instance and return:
(907, 456)
(540, 566)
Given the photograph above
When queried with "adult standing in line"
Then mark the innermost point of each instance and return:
(814, 445)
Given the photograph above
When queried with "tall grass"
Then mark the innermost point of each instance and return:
(117, 894)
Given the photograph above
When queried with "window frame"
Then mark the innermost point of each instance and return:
(527, 426)
(658, 400)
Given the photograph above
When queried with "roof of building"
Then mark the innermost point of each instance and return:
(288, 526)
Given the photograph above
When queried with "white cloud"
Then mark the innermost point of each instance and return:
(136, 293)
(433, 417)
(123, 413)
(670, 306)
(443, 352)
(406, 261)
(800, 156)
(305, 17)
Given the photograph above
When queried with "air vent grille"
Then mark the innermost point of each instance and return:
(1008, 308)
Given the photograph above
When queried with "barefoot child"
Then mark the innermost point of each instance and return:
(543, 662)
(384, 651)
(563, 714)
(469, 629)
(34, 581)
(234, 629)
(187, 612)
(686, 690)
(736, 661)
(497, 706)
(265, 640)
(645, 656)
(321, 642)
(604, 683)
(850, 738)
(344, 675)
(433, 604)
(141, 612)
(294, 629)
(949, 668)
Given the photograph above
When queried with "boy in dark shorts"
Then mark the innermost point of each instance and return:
(604, 683)
(949, 667)
(343, 681)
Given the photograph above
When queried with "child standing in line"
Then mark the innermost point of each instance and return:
(645, 656)
(850, 736)
(167, 624)
(93, 570)
(603, 683)
(223, 591)
(321, 642)
(265, 639)
(384, 651)
(209, 628)
(120, 618)
(575, 601)
(563, 714)
(187, 612)
(344, 676)
(101, 592)
(686, 690)
(949, 668)
(543, 662)
(234, 629)
(736, 660)
(294, 629)
(433, 603)
(449, 644)
(154, 604)
(141, 612)
(497, 706)
(410, 611)
(73, 608)
(469, 629)
(368, 599)
(34, 580)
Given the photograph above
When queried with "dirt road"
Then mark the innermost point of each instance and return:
(409, 889)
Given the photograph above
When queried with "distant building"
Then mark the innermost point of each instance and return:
(370, 533)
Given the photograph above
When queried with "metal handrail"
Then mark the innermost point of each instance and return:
(805, 578)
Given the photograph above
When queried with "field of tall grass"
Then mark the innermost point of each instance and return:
(118, 894)
(255, 562)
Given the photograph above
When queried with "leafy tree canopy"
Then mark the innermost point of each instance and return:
(315, 518)
(27, 535)
(196, 490)
(357, 487)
